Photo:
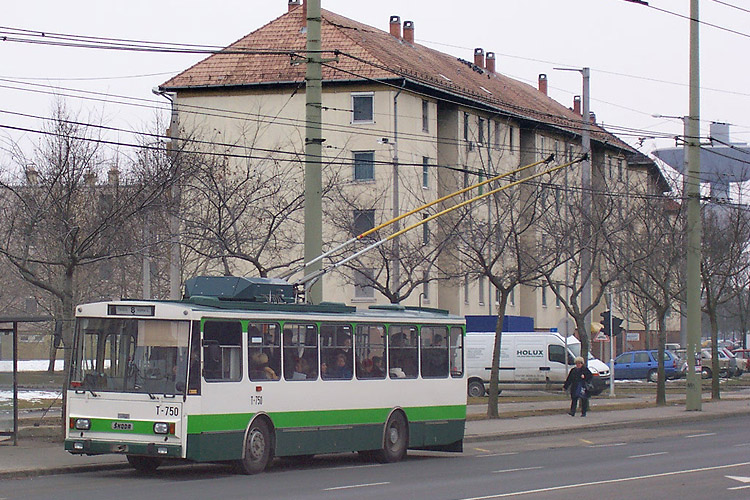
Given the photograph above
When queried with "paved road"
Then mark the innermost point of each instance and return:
(692, 460)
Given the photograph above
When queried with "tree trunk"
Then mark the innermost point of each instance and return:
(715, 393)
(661, 386)
(495, 372)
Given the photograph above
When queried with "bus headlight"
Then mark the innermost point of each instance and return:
(161, 428)
(83, 424)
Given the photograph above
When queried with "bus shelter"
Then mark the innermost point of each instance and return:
(9, 326)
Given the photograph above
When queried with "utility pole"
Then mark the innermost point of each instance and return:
(694, 229)
(586, 196)
(585, 191)
(313, 150)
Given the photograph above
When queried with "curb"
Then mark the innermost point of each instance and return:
(622, 424)
(50, 471)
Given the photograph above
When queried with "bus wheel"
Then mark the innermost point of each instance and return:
(396, 439)
(145, 465)
(257, 452)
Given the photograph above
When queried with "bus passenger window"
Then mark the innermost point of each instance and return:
(370, 351)
(457, 352)
(264, 351)
(402, 351)
(222, 343)
(194, 373)
(434, 351)
(300, 342)
(336, 352)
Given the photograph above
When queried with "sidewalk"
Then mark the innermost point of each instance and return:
(36, 455)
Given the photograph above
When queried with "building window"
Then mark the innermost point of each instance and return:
(620, 168)
(512, 297)
(497, 135)
(425, 230)
(557, 151)
(481, 130)
(541, 147)
(510, 139)
(466, 126)
(467, 177)
(362, 107)
(570, 152)
(426, 286)
(544, 296)
(425, 116)
(363, 284)
(364, 165)
(425, 172)
(481, 290)
(466, 289)
(364, 220)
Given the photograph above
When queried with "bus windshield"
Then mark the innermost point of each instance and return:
(130, 355)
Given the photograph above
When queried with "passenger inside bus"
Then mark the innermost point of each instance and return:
(259, 369)
(339, 368)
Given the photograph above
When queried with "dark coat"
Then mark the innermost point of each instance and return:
(576, 377)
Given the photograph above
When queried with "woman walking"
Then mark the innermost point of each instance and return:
(576, 382)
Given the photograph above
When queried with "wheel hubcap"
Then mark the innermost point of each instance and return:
(256, 445)
(393, 435)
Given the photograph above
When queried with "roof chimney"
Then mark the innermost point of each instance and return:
(490, 62)
(293, 4)
(479, 57)
(409, 31)
(396, 26)
(543, 83)
(577, 104)
(592, 117)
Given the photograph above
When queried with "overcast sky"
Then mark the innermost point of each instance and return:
(638, 55)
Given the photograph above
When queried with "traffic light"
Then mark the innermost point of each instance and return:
(616, 325)
(605, 322)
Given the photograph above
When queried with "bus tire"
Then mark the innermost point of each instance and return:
(395, 439)
(257, 452)
(144, 465)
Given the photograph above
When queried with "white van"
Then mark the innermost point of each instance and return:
(527, 360)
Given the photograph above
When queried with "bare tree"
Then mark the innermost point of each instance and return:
(60, 219)
(653, 259)
(726, 234)
(498, 238)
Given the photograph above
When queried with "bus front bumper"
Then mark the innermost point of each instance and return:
(94, 447)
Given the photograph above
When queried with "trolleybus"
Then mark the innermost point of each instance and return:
(238, 372)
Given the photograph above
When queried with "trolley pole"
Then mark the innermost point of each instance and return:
(313, 149)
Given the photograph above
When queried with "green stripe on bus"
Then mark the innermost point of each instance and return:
(322, 418)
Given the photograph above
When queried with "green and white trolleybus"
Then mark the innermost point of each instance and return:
(238, 371)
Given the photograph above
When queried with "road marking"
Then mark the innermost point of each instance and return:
(349, 487)
(741, 479)
(587, 441)
(607, 481)
(482, 449)
(516, 470)
(358, 466)
(607, 445)
(648, 454)
(739, 487)
(507, 453)
(741, 445)
(701, 435)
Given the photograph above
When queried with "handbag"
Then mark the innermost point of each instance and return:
(589, 388)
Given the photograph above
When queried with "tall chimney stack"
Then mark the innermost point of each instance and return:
(543, 83)
(577, 104)
(409, 32)
(489, 62)
(396, 26)
(293, 4)
(479, 57)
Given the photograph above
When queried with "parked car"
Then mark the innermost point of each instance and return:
(740, 363)
(727, 365)
(645, 364)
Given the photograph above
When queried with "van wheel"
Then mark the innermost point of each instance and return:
(145, 465)
(257, 452)
(476, 389)
(706, 373)
(653, 376)
(396, 439)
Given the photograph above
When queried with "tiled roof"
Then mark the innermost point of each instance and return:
(365, 53)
